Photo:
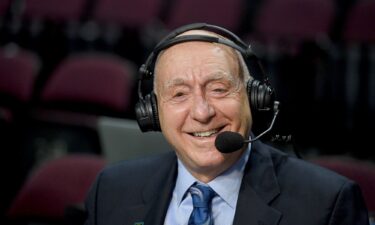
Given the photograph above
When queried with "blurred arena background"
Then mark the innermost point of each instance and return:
(68, 79)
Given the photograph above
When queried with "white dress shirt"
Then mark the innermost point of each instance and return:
(226, 185)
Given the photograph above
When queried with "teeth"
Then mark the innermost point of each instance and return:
(205, 133)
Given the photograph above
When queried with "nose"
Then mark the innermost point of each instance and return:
(202, 110)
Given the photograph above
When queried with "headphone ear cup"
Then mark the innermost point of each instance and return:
(155, 112)
(261, 96)
(147, 113)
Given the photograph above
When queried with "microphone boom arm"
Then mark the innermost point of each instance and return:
(275, 113)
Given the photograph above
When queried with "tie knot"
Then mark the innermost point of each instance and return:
(202, 195)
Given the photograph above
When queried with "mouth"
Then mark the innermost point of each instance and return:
(208, 133)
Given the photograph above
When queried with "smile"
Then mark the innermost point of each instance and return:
(208, 133)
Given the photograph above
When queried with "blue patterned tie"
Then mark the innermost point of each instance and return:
(202, 196)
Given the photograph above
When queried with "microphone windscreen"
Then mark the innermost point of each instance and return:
(227, 142)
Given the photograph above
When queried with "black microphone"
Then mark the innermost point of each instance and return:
(228, 141)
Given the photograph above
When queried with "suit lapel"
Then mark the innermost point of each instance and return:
(259, 187)
(157, 194)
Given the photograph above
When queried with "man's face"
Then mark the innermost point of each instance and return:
(200, 94)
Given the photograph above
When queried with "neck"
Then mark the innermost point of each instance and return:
(209, 173)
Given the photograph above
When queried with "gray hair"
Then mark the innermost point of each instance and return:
(244, 70)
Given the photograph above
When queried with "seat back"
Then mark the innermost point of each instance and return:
(294, 20)
(19, 70)
(55, 10)
(359, 26)
(225, 13)
(126, 13)
(102, 81)
(54, 186)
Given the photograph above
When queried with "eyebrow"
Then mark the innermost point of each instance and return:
(174, 82)
(212, 77)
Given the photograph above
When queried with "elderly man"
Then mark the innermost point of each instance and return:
(202, 87)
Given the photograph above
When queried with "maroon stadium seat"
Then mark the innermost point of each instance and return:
(360, 26)
(54, 186)
(225, 13)
(294, 20)
(19, 69)
(104, 81)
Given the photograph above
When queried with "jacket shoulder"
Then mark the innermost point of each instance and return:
(304, 170)
(138, 169)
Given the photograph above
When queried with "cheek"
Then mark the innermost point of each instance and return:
(172, 120)
(247, 121)
(171, 116)
(235, 109)
(245, 108)
(238, 111)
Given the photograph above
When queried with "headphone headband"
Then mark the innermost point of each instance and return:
(246, 52)
(204, 26)
(173, 38)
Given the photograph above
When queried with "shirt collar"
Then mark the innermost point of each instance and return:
(226, 185)
(183, 182)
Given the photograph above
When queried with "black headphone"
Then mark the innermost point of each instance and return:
(261, 94)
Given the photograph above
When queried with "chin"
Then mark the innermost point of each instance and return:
(213, 159)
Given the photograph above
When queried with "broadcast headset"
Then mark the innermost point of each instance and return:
(260, 93)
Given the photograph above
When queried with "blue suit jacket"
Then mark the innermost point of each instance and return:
(276, 190)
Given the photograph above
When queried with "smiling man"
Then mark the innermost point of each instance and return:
(201, 92)
(202, 87)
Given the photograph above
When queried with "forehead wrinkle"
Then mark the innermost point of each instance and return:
(220, 75)
(229, 52)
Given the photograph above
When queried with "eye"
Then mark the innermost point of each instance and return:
(219, 90)
(178, 94)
